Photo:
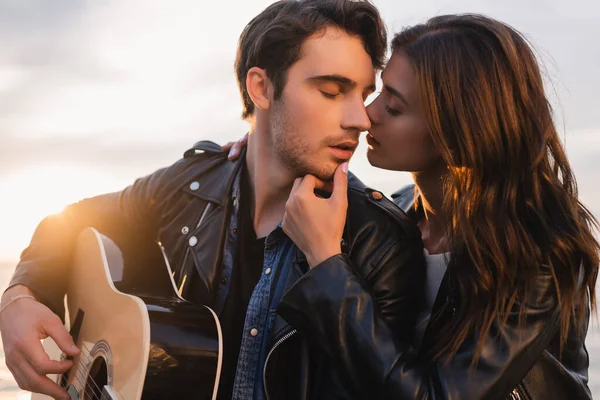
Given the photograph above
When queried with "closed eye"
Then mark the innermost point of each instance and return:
(393, 112)
(329, 95)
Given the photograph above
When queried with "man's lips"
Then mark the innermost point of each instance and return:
(344, 150)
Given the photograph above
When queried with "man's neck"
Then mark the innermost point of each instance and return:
(270, 183)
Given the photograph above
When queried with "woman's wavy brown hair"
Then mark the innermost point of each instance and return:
(510, 192)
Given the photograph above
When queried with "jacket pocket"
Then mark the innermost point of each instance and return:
(186, 267)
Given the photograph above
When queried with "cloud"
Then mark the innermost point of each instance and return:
(103, 153)
(583, 151)
(126, 70)
(564, 35)
(134, 70)
(136, 83)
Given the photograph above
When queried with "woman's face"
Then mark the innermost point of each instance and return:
(399, 139)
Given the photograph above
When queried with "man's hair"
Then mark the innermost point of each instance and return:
(273, 39)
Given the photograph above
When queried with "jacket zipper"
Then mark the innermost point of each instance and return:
(283, 339)
(514, 395)
(519, 393)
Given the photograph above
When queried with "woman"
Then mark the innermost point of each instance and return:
(512, 261)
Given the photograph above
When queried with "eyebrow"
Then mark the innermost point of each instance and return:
(340, 79)
(395, 92)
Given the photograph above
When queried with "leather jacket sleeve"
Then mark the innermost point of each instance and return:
(128, 217)
(394, 275)
(333, 305)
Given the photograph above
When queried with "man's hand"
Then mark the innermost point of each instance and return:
(315, 224)
(23, 323)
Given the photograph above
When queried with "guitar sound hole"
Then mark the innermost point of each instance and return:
(96, 379)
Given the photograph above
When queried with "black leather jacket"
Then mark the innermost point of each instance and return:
(519, 362)
(379, 239)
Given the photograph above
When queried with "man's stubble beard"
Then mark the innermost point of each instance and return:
(290, 148)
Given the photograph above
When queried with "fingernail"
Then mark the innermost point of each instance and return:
(345, 167)
(74, 348)
(232, 153)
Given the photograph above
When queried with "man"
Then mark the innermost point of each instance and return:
(304, 69)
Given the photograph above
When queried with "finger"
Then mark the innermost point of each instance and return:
(323, 185)
(312, 183)
(39, 384)
(237, 147)
(42, 364)
(297, 183)
(57, 331)
(235, 151)
(340, 183)
(309, 184)
(227, 147)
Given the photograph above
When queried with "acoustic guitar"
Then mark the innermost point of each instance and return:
(133, 346)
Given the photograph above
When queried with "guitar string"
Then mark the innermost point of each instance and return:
(93, 388)
(90, 390)
(80, 375)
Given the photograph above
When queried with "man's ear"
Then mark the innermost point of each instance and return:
(259, 88)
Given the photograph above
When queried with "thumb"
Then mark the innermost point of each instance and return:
(340, 183)
(57, 331)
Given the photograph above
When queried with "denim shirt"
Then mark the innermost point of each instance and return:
(280, 253)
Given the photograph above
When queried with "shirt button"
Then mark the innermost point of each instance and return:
(267, 271)
(194, 185)
(234, 230)
(185, 230)
(223, 280)
(253, 331)
(193, 241)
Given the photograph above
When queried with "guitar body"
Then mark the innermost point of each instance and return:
(133, 346)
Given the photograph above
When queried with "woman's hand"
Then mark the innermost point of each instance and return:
(316, 224)
(235, 148)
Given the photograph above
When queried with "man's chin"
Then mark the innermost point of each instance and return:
(323, 172)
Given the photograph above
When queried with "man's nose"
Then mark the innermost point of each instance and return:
(355, 116)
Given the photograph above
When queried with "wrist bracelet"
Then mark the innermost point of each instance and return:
(13, 299)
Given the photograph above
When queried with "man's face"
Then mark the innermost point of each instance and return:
(316, 123)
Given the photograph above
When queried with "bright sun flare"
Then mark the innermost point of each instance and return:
(28, 195)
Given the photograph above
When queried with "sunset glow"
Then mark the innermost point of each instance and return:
(28, 195)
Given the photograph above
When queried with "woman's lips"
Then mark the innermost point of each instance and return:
(371, 140)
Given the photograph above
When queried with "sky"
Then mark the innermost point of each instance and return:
(96, 93)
